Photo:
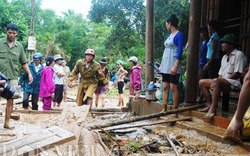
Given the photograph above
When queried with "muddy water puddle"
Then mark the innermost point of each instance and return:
(152, 139)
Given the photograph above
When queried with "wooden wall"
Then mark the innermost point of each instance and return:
(234, 17)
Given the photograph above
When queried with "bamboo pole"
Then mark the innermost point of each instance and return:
(150, 116)
(149, 124)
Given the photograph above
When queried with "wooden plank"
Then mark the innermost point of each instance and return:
(106, 110)
(34, 144)
(38, 111)
(72, 119)
(150, 116)
(15, 116)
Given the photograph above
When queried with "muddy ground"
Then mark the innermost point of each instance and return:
(142, 140)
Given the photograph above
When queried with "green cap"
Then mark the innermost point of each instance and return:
(231, 39)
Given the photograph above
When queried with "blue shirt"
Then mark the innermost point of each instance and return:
(203, 59)
(172, 52)
(179, 42)
(216, 37)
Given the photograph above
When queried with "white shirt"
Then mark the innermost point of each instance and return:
(58, 69)
(37, 67)
(237, 63)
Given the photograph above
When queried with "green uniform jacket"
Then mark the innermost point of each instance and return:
(10, 58)
(89, 79)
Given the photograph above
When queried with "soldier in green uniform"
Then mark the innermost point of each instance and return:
(90, 74)
(11, 55)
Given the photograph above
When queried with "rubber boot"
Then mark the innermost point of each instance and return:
(7, 123)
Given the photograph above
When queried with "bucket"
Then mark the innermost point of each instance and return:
(150, 95)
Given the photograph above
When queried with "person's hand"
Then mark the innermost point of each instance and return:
(30, 78)
(52, 95)
(173, 71)
(19, 87)
(237, 127)
(1, 83)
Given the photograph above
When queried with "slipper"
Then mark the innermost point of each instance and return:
(209, 115)
(204, 109)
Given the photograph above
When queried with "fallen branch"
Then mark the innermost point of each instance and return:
(150, 116)
(172, 144)
(149, 124)
(146, 145)
(109, 136)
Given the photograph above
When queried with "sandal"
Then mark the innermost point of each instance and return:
(209, 115)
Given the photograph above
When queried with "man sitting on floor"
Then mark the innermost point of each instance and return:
(233, 64)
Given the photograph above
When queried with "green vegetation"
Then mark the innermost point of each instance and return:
(115, 29)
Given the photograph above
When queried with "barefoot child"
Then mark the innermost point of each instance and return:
(47, 86)
(121, 75)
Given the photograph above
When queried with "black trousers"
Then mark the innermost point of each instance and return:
(34, 100)
(58, 94)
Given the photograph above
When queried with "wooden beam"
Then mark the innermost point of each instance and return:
(148, 124)
(38, 111)
(193, 51)
(149, 75)
(150, 116)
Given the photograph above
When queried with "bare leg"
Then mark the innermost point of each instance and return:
(122, 100)
(8, 111)
(54, 104)
(65, 97)
(96, 99)
(175, 95)
(103, 99)
(219, 85)
(165, 96)
(89, 102)
(205, 84)
(119, 101)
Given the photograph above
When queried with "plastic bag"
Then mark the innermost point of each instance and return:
(246, 129)
(151, 86)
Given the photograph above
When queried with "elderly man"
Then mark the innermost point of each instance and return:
(33, 88)
(232, 65)
(12, 54)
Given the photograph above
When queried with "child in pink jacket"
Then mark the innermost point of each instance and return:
(47, 86)
(135, 75)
